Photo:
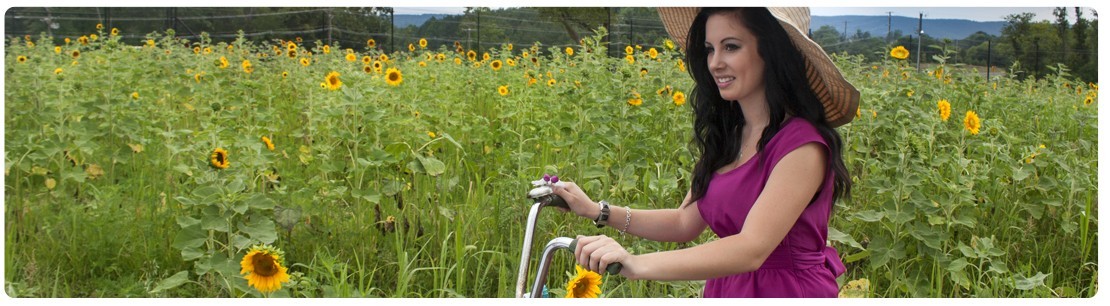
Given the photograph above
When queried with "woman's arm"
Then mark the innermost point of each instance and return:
(789, 190)
(681, 224)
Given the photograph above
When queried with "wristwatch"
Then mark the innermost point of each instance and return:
(603, 218)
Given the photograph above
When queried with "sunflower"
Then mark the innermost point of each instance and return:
(945, 109)
(333, 81)
(269, 144)
(247, 67)
(679, 98)
(971, 122)
(510, 62)
(667, 43)
(899, 52)
(207, 50)
(665, 89)
(635, 101)
(115, 31)
(629, 50)
(503, 90)
(57, 49)
(223, 62)
(327, 49)
(510, 46)
(458, 61)
(422, 64)
(441, 57)
(423, 43)
(150, 43)
(551, 82)
(653, 53)
(570, 51)
(351, 57)
(371, 43)
(377, 66)
(291, 53)
(219, 159)
(93, 37)
(496, 65)
(284, 74)
(586, 284)
(383, 57)
(681, 65)
(535, 61)
(1088, 101)
(367, 69)
(196, 50)
(643, 72)
(84, 40)
(58, 70)
(393, 77)
(100, 26)
(471, 55)
(21, 59)
(431, 134)
(134, 95)
(263, 269)
(198, 76)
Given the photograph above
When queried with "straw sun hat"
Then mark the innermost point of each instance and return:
(838, 96)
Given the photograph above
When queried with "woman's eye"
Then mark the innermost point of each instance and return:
(731, 47)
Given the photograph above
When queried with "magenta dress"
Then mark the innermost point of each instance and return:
(801, 265)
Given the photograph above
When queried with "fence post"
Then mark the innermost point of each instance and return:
(988, 60)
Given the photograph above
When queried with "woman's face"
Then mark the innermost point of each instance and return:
(733, 58)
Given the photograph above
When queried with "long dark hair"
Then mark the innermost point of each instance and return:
(718, 123)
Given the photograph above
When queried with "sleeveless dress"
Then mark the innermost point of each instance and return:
(802, 265)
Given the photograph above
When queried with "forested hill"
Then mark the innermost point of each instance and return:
(937, 28)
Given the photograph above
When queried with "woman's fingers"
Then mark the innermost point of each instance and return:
(595, 253)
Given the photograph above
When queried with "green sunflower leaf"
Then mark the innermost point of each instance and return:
(189, 237)
(172, 282)
(433, 166)
(260, 229)
(1026, 283)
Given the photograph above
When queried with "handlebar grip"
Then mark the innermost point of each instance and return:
(611, 269)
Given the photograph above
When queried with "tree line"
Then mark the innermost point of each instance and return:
(1028, 48)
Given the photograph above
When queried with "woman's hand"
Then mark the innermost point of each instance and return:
(598, 252)
(578, 201)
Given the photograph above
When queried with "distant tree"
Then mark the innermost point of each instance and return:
(826, 36)
(1016, 33)
(1062, 26)
(575, 19)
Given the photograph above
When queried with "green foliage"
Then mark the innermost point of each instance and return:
(365, 204)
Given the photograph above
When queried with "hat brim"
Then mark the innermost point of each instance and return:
(839, 97)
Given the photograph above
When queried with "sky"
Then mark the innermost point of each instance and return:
(969, 13)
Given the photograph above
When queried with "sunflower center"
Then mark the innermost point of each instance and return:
(221, 158)
(394, 76)
(333, 80)
(264, 264)
(582, 287)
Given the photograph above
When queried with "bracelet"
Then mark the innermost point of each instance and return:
(627, 219)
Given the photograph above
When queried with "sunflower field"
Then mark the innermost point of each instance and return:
(289, 168)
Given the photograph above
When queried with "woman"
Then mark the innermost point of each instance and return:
(765, 102)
